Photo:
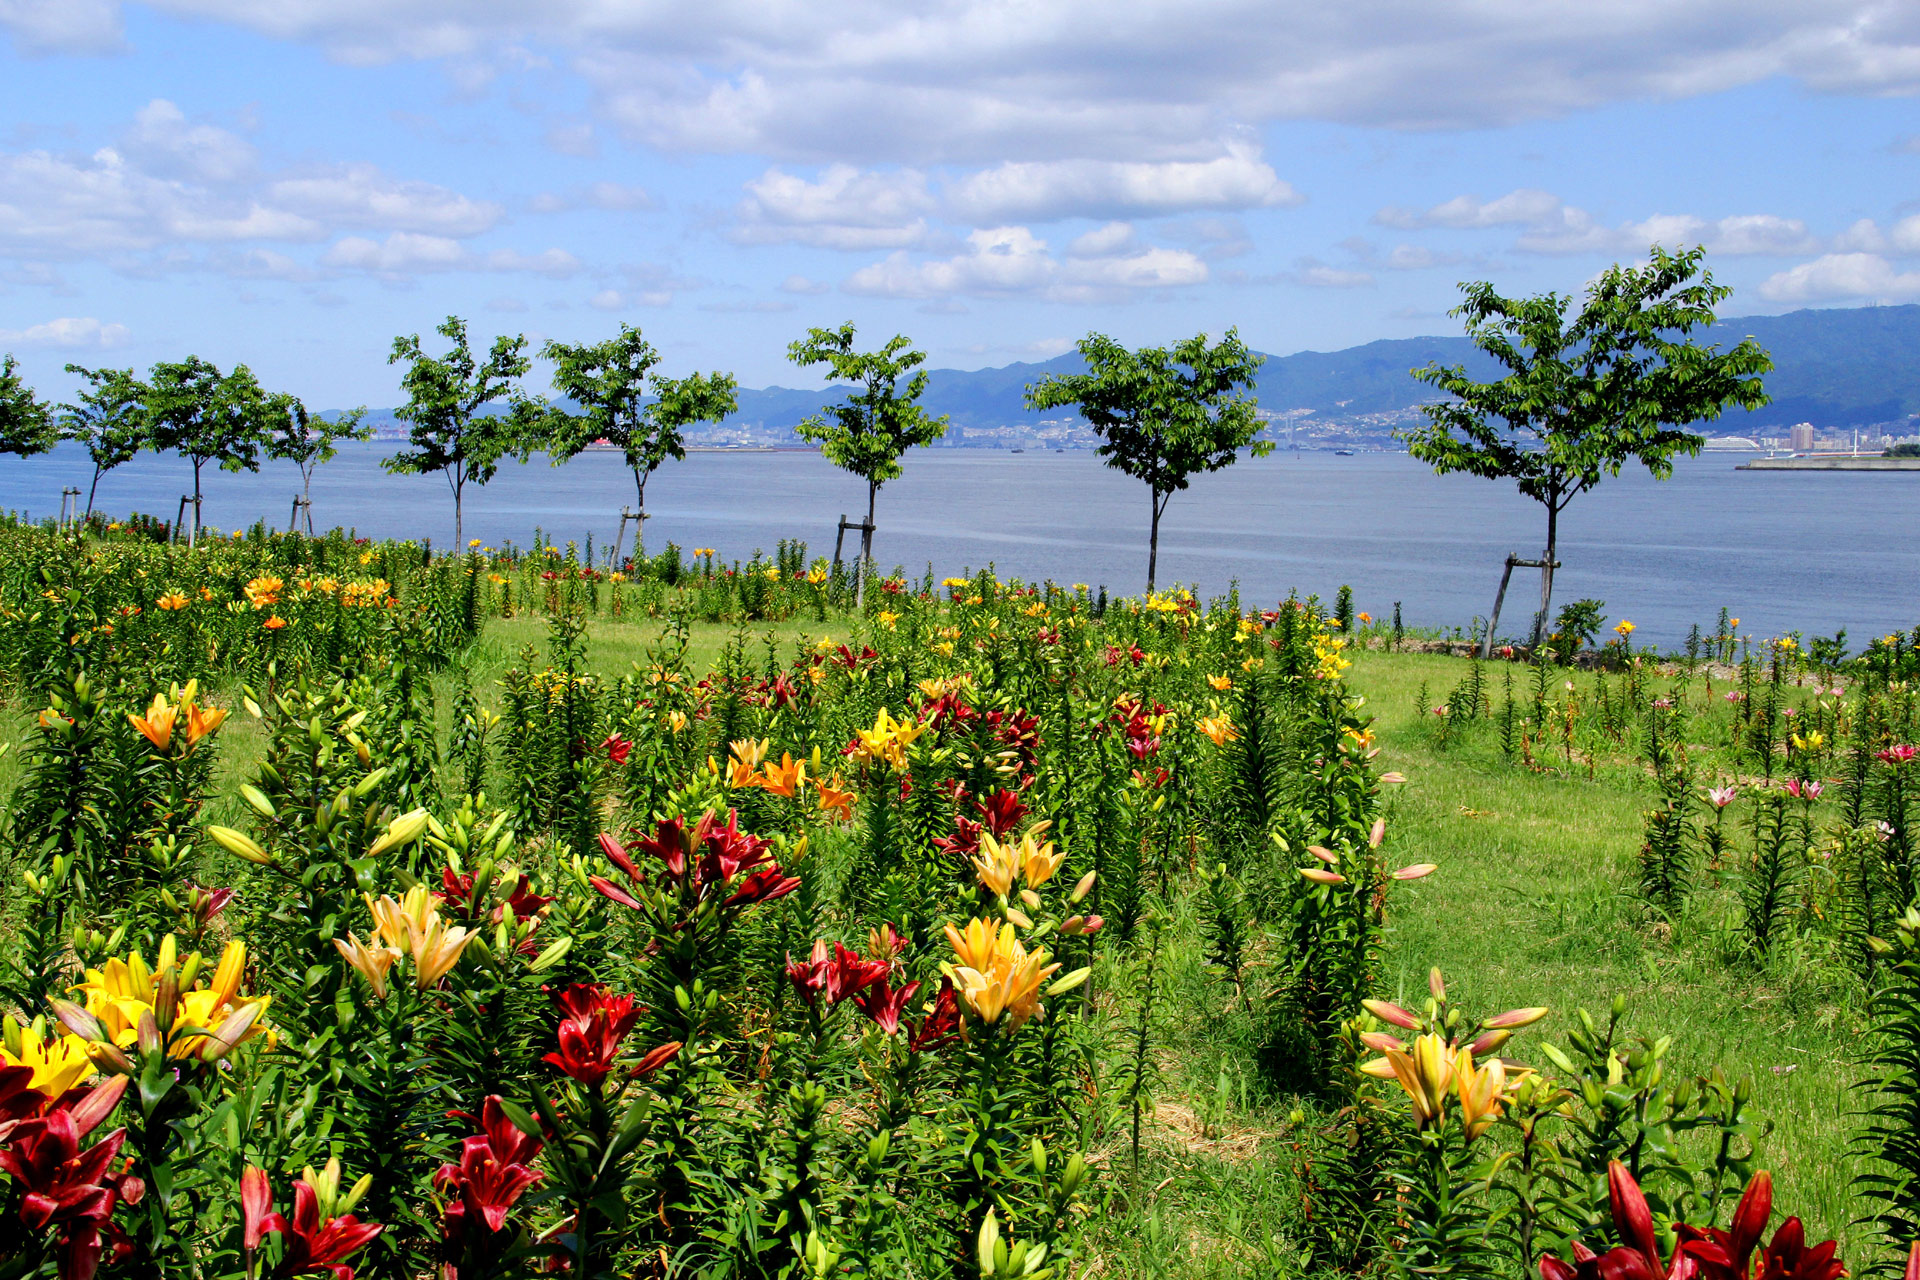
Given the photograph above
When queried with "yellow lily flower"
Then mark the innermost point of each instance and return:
(371, 961)
(58, 1062)
(157, 725)
(1038, 862)
(997, 864)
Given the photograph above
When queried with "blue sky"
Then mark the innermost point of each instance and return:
(291, 183)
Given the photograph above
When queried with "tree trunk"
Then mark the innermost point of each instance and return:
(866, 549)
(91, 490)
(193, 530)
(306, 495)
(457, 487)
(1540, 621)
(640, 525)
(1153, 538)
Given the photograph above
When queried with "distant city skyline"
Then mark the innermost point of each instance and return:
(291, 183)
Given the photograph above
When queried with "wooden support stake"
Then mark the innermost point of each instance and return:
(639, 531)
(1513, 562)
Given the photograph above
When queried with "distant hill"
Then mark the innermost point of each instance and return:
(1842, 367)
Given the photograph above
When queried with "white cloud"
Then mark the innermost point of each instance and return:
(62, 26)
(615, 300)
(1866, 236)
(166, 145)
(69, 333)
(360, 195)
(402, 253)
(1843, 276)
(979, 81)
(1104, 188)
(1525, 207)
(557, 263)
(1318, 275)
(1550, 225)
(1103, 242)
(614, 197)
(1004, 261)
(845, 208)
(409, 253)
(800, 284)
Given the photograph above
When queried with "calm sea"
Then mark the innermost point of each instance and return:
(1808, 551)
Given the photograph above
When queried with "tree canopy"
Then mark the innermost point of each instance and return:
(107, 418)
(1163, 415)
(26, 423)
(874, 426)
(624, 403)
(1618, 382)
(445, 397)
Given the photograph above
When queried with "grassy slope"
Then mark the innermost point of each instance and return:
(1528, 908)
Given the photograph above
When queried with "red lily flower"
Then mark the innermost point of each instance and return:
(1001, 811)
(885, 1005)
(837, 974)
(492, 1174)
(617, 748)
(965, 840)
(942, 1025)
(594, 1022)
(62, 1182)
(703, 861)
(311, 1243)
(1701, 1253)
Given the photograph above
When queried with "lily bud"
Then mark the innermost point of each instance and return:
(402, 831)
(1391, 1013)
(240, 845)
(1321, 875)
(1083, 888)
(1418, 871)
(1514, 1019)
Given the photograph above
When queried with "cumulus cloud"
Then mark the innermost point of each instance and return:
(62, 26)
(408, 253)
(844, 208)
(974, 81)
(70, 333)
(1046, 190)
(167, 145)
(1012, 261)
(1525, 207)
(360, 195)
(1833, 277)
(1548, 224)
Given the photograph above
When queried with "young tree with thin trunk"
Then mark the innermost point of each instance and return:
(1620, 382)
(445, 396)
(623, 403)
(109, 420)
(868, 432)
(307, 440)
(195, 410)
(26, 424)
(1163, 415)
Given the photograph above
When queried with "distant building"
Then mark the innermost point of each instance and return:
(1800, 437)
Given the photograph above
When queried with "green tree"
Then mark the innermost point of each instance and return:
(445, 396)
(868, 432)
(307, 440)
(26, 424)
(108, 418)
(1619, 382)
(621, 404)
(195, 410)
(1163, 415)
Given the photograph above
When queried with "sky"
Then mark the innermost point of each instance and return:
(290, 184)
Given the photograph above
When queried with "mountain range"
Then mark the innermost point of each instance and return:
(1835, 368)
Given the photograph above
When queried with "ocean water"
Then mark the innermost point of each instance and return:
(1785, 551)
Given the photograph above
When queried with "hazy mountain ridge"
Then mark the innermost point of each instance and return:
(1840, 367)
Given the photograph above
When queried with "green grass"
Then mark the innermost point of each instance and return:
(1531, 906)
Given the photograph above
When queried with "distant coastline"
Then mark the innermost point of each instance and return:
(1837, 463)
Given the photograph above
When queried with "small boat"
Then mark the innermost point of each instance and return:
(1343, 453)
(1019, 451)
